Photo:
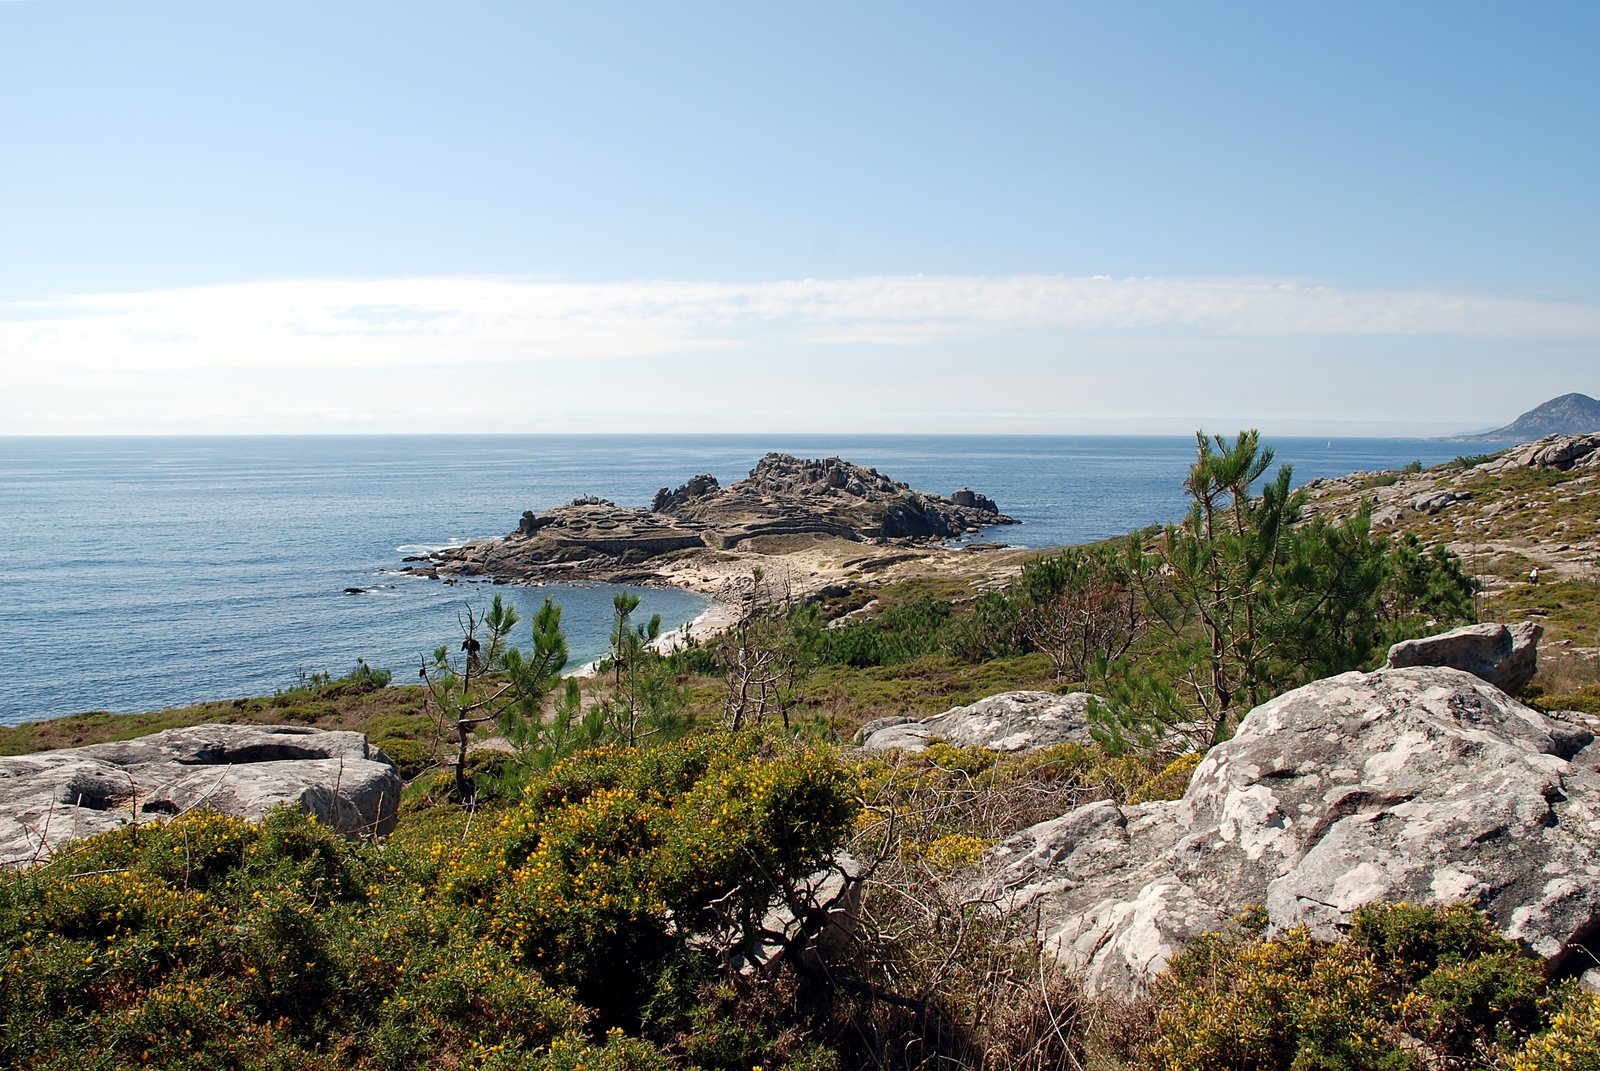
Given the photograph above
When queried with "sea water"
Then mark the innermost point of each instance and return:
(140, 573)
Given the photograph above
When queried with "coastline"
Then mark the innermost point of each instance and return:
(341, 507)
(728, 580)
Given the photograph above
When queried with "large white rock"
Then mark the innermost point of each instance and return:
(52, 797)
(1424, 784)
(1507, 656)
(1009, 721)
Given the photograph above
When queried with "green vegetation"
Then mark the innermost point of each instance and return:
(1409, 988)
(645, 699)
(519, 941)
(1237, 603)
(1468, 461)
(600, 922)
(1247, 600)
(493, 682)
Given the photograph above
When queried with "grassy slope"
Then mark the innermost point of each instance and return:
(332, 707)
(1507, 524)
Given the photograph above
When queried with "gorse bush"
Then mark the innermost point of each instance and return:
(1410, 988)
(597, 923)
(513, 940)
(1572, 1042)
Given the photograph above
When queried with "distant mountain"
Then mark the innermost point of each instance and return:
(1570, 414)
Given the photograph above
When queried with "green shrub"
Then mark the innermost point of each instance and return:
(1290, 1003)
(1411, 987)
(466, 941)
(1572, 1042)
(410, 756)
(1411, 940)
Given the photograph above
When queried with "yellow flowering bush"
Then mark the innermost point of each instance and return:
(616, 853)
(1572, 1042)
(1171, 782)
(585, 927)
(1411, 987)
(952, 852)
(1233, 1001)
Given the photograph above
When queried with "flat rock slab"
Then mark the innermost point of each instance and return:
(1009, 721)
(1424, 784)
(52, 797)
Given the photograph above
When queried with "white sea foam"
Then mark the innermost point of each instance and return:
(428, 548)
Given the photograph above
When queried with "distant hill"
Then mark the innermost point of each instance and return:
(1570, 414)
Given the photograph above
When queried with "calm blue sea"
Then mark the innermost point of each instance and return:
(143, 573)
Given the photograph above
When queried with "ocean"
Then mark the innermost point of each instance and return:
(142, 573)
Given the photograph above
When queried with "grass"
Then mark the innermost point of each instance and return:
(333, 706)
(847, 697)
(1568, 609)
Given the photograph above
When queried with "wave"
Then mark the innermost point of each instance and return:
(429, 548)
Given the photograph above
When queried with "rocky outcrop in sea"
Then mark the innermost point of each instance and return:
(784, 499)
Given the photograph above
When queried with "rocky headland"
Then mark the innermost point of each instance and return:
(1570, 414)
(821, 522)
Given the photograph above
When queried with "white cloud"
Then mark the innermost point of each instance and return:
(445, 321)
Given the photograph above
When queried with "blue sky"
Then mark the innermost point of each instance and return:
(824, 217)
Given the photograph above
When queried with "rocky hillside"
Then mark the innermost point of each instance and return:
(1526, 522)
(1570, 414)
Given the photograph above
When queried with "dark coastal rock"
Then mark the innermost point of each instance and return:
(1435, 500)
(1505, 656)
(964, 496)
(1010, 721)
(696, 488)
(1425, 784)
(52, 797)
